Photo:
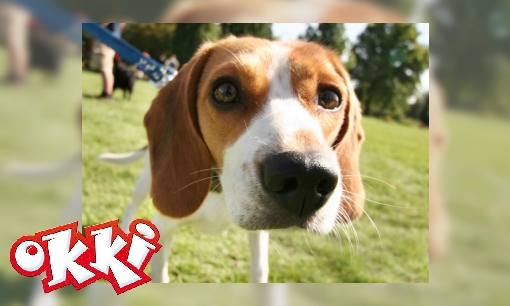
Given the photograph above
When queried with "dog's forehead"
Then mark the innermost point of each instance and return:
(314, 58)
(250, 53)
(242, 52)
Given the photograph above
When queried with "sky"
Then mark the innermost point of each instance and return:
(291, 31)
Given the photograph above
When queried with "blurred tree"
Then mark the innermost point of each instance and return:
(420, 109)
(331, 35)
(189, 36)
(413, 111)
(424, 114)
(86, 46)
(242, 29)
(389, 61)
(155, 38)
(470, 40)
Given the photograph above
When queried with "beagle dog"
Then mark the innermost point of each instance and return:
(255, 133)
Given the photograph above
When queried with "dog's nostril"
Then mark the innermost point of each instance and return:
(289, 185)
(326, 186)
(322, 187)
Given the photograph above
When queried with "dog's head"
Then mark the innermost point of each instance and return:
(278, 121)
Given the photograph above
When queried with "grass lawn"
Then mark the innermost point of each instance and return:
(393, 153)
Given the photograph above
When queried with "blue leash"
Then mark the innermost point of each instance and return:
(159, 74)
(54, 17)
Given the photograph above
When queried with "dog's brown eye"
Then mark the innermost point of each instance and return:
(225, 93)
(328, 99)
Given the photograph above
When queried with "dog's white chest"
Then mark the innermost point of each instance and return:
(212, 217)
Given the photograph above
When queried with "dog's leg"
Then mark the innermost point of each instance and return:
(140, 193)
(259, 245)
(159, 262)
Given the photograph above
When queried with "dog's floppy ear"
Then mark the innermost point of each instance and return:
(348, 147)
(180, 160)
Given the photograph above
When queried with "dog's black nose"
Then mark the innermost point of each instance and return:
(299, 182)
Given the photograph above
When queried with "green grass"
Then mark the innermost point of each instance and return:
(392, 152)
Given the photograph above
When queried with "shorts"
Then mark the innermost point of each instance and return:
(105, 56)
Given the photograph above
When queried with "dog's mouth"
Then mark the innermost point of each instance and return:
(281, 219)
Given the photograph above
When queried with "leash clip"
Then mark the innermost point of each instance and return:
(165, 79)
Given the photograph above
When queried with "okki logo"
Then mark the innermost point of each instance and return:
(105, 251)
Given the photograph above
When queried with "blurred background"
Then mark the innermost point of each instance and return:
(469, 60)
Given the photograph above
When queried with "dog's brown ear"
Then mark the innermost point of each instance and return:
(180, 161)
(348, 148)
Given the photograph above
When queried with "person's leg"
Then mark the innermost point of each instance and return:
(107, 55)
(107, 81)
(16, 33)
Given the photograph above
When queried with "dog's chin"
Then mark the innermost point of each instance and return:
(310, 227)
(279, 219)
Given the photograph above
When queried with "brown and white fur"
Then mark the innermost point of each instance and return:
(207, 163)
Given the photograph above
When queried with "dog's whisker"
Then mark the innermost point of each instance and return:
(317, 49)
(370, 177)
(304, 234)
(368, 185)
(346, 232)
(356, 237)
(238, 60)
(356, 175)
(345, 229)
(275, 246)
(213, 168)
(369, 200)
(348, 155)
(369, 218)
(364, 183)
(351, 226)
(339, 238)
(215, 187)
(249, 133)
(375, 202)
(207, 178)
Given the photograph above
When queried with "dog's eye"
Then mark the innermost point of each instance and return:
(225, 93)
(328, 99)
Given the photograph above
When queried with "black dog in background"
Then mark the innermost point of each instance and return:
(124, 77)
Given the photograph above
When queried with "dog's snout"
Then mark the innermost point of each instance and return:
(299, 182)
